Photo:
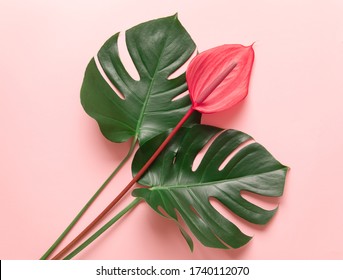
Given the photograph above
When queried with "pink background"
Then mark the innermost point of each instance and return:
(53, 156)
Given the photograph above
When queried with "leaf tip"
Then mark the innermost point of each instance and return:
(187, 238)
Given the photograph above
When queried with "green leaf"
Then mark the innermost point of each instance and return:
(175, 187)
(157, 48)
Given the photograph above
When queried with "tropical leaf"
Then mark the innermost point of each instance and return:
(175, 187)
(157, 48)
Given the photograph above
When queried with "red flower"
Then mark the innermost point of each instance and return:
(219, 78)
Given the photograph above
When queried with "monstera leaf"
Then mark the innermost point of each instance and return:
(175, 187)
(157, 48)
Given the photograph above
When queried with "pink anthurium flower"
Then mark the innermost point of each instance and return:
(219, 78)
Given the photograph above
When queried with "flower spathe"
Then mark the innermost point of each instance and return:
(219, 77)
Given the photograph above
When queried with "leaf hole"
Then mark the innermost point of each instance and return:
(195, 211)
(241, 223)
(174, 159)
(201, 154)
(163, 212)
(183, 67)
(222, 241)
(126, 58)
(231, 155)
(265, 202)
(181, 222)
(112, 86)
(181, 95)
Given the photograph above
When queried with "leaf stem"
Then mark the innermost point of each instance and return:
(88, 204)
(126, 189)
(133, 204)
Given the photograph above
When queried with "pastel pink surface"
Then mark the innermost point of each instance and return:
(53, 156)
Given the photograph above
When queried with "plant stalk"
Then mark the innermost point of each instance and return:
(126, 189)
(132, 205)
(88, 204)
(202, 97)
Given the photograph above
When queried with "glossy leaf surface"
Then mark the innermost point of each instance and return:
(174, 187)
(219, 77)
(157, 48)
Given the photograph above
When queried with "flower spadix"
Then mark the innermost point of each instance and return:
(219, 77)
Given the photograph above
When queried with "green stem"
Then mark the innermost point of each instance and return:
(133, 204)
(83, 233)
(88, 204)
